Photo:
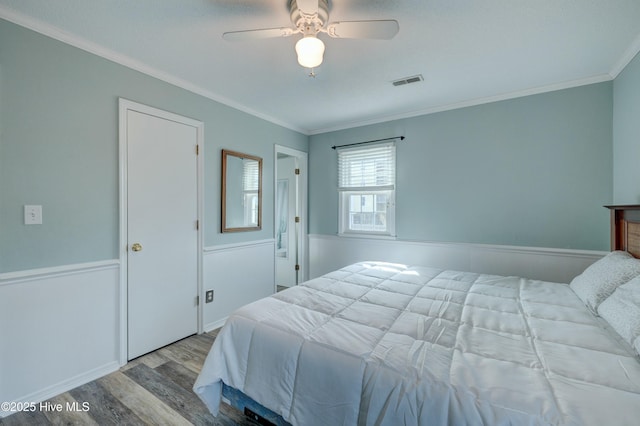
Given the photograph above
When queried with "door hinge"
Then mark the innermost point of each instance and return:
(297, 219)
(197, 149)
(297, 171)
(197, 300)
(197, 225)
(297, 267)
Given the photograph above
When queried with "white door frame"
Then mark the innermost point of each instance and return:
(303, 240)
(125, 105)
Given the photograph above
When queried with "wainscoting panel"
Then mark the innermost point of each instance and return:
(238, 274)
(329, 252)
(59, 329)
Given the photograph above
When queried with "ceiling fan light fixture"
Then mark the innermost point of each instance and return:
(310, 50)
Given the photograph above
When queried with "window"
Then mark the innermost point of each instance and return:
(366, 186)
(250, 186)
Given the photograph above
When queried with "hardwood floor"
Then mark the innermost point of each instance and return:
(154, 389)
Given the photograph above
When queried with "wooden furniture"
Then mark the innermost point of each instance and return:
(625, 228)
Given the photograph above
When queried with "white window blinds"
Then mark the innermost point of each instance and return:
(250, 175)
(370, 167)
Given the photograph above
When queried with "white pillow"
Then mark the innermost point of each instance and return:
(622, 310)
(599, 280)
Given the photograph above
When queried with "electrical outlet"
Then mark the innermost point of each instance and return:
(208, 296)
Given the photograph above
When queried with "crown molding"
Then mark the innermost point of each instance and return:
(626, 58)
(83, 44)
(74, 40)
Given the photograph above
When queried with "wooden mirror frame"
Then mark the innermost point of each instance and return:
(225, 154)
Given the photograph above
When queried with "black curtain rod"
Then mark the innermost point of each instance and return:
(362, 143)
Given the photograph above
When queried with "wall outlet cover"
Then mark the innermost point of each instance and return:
(32, 215)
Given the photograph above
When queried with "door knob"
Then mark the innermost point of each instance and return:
(136, 247)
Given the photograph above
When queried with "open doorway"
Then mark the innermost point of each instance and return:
(290, 217)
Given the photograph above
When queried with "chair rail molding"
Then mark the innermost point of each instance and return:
(330, 252)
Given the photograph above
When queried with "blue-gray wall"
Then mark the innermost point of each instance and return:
(626, 135)
(59, 148)
(531, 171)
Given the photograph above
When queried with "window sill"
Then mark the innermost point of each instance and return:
(367, 236)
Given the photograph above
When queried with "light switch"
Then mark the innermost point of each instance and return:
(32, 215)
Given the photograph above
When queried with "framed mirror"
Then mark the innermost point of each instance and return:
(241, 192)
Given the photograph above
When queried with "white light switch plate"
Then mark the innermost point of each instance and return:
(32, 215)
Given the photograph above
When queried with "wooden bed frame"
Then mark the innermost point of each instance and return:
(625, 228)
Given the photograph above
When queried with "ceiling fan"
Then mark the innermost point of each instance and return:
(309, 18)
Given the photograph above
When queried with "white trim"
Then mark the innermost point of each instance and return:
(367, 235)
(290, 151)
(303, 240)
(8, 278)
(216, 324)
(201, 225)
(493, 247)
(83, 44)
(330, 252)
(627, 57)
(66, 385)
(122, 245)
(73, 300)
(238, 274)
(125, 105)
(234, 246)
(134, 64)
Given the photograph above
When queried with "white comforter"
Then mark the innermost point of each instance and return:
(387, 344)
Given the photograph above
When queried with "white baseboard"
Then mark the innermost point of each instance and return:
(65, 385)
(331, 252)
(213, 325)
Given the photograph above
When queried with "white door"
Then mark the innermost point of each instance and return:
(290, 200)
(162, 237)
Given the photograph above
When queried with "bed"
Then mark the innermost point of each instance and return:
(382, 343)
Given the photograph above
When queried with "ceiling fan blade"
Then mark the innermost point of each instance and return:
(258, 34)
(309, 7)
(381, 30)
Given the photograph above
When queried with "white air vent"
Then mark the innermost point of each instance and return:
(408, 80)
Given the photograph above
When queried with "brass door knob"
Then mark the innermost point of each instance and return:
(136, 247)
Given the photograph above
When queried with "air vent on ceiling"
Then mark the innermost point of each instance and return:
(408, 80)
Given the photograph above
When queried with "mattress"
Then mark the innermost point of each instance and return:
(380, 343)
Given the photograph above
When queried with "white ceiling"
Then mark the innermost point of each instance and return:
(469, 51)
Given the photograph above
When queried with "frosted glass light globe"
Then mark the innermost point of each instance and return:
(310, 50)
